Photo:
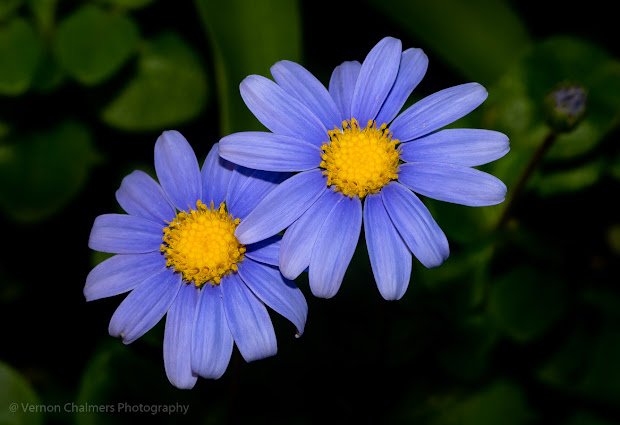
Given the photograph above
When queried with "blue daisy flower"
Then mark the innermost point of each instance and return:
(177, 254)
(352, 139)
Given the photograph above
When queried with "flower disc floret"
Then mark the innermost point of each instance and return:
(359, 161)
(202, 245)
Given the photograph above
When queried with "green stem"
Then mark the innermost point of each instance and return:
(525, 176)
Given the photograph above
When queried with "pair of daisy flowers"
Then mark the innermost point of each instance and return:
(203, 246)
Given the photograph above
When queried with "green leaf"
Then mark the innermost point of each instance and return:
(584, 418)
(502, 402)
(462, 278)
(586, 364)
(602, 376)
(20, 50)
(43, 12)
(120, 380)
(571, 180)
(613, 238)
(480, 39)
(515, 106)
(18, 400)
(465, 354)
(614, 167)
(7, 7)
(92, 44)
(49, 75)
(43, 171)
(253, 36)
(130, 4)
(524, 303)
(565, 367)
(5, 128)
(170, 88)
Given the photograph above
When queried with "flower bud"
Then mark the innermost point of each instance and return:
(565, 107)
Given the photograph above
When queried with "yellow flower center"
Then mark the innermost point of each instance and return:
(202, 245)
(359, 161)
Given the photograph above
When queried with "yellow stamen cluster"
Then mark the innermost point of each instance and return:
(202, 245)
(359, 161)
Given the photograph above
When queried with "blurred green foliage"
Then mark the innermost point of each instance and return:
(16, 392)
(169, 88)
(521, 325)
(271, 33)
(92, 44)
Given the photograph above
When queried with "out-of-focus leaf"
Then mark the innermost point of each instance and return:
(250, 40)
(20, 51)
(605, 300)
(7, 7)
(571, 180)
(130, 4)
(565, 367)
(501, 402)
(584, 418)
(586, 365)
(524, 303)
(18, 399)
(461, 280)
(43, 12)
(515, 105)
(460, 223)
(613, 238)
(481, 38)
(614, 167)
(170, 88)
(92, 44)
(466, 353)
(49, 75)
(5, 128)
(43, 171)
(602, 376)
(121, 380)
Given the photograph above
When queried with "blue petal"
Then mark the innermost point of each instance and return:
(303, 86)
(334, 247)
(248, 320)
(212, 342)
(415, 225)
(376, 79)
(266, 251)
(270, 152)
(177, 170)
(145, 306)
(452, 183)
(437, 110)
(215, 175)
(459, 146)
(413, 65)
(280, 112)
(248, 187)
(279, 293)
(140, 195)
(390, 258)
(342, 85)
(299, 238)
(121, 273)
(178, 338)
(125, 234)
(280, 207)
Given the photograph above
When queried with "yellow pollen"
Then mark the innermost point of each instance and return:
(359, 161)
(202, 245)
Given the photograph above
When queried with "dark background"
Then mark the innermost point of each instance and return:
(521, 325)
